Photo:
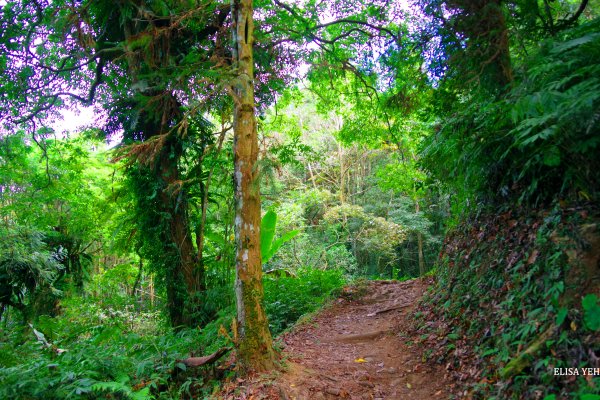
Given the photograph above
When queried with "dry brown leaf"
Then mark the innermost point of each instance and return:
(532, 257)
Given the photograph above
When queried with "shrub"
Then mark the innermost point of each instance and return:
(288, 298)
(539, 140)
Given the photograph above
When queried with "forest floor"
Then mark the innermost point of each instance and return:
(360, 347)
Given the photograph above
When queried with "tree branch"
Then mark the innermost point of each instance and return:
(573, 18)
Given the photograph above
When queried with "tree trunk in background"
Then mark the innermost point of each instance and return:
(342, 173)
(176, 204)
(254, 346)
(421, 258)
(312, 177)
(420, 245)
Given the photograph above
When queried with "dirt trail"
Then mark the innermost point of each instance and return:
(355, 349)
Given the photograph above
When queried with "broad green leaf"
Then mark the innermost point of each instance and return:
(590, 396)
(143, 394)
(267, 232)
(218, 239)
(560, 317)
(277, 243)
(591, 312)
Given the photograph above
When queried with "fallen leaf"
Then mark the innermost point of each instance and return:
(533, 257)
(408, 385)
(573, 326)
(360, 360)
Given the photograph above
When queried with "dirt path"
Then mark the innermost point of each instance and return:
(355, 349)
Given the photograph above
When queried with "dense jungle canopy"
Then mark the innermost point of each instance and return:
(248, 162)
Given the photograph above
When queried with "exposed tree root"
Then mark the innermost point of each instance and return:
(206, 360)
(397, 307)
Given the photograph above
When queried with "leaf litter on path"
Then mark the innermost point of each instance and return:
(356, 349)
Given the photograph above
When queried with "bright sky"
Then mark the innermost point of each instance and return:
(72, 121)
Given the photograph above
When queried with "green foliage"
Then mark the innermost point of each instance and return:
(555, 117)
(97, 353)
(503, 282)
(62, 189)
(268, 244)
(538, 141)
(368, 235)
(27, 267)
(121, 386)
(591, 312)
(288, 298)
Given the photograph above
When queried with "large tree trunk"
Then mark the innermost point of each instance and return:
(158, 113)
(176, 261)
(175, 202)
(255, 348)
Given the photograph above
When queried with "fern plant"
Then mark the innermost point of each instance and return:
(537, 142)
(556, 115)
(121, 385)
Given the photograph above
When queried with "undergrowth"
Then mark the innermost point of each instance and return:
(110, 349)
(509, 307)
(288, 298)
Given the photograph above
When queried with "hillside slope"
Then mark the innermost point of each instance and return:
(517, 297)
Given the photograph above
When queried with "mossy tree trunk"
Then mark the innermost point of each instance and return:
(163, 203)
(484, 23)
(174, 200)
(255, 348)
(159, 151)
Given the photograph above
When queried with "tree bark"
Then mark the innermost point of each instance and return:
(254, 344)
(420, 245)
(175, 203)
(342, 173)
(484, 23)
